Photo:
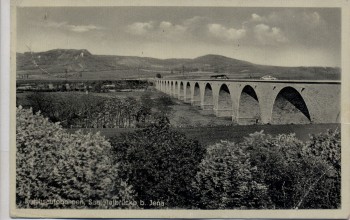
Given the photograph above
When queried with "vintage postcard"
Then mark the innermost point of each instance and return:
(180, 109)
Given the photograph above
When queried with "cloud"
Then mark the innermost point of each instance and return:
(140, 28)
(269, 36)
(163, 30)
(195, 21)
(70, 27)
(308, 26)
(170, 28)
(165, 25)
(82, 28)
(295, 18)
(313, 19)
(279, 27)
(222, 32)
(195, 28)
(257, 18)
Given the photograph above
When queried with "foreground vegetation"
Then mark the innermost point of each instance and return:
(52, 164)
(159, 164)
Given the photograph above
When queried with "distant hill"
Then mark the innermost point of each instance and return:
(59, 61)
(69, 60)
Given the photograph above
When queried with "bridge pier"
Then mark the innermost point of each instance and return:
(208, 108)
(187, 99)
(196, 94)
(174, 91)
(187, 92)
(196, 102)
(167, 90)
(223, 113)
(266, 103)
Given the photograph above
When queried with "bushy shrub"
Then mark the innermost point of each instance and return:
(323, 152)
(279, 172)
(226, 180)
(279, 161)
(298, 175)
(160, 163)
(52, 164)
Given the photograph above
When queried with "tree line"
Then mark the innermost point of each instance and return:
(74, 110)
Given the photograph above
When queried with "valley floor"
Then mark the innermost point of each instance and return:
(234, 133)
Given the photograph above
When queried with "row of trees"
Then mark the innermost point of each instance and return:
(159, 164)
(93, 111)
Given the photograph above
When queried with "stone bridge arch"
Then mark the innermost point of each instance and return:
(181, 94)
(290, 107)
(168, 88)
(248, 111)
(224, 102)
(196, 97)
(176, 89)
(163, 86)
(280, 102)
(208, 97)
(172, 88)
(187, 92)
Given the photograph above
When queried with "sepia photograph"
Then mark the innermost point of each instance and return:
(163, 110)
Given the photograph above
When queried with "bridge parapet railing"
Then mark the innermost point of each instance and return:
(267, 81)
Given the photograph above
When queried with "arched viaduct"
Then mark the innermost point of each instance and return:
(260, 101)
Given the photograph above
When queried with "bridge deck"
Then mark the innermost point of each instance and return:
(260, 80)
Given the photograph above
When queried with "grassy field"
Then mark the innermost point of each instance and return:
(186, 115)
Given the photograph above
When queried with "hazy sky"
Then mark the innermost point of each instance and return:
(275, 36)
